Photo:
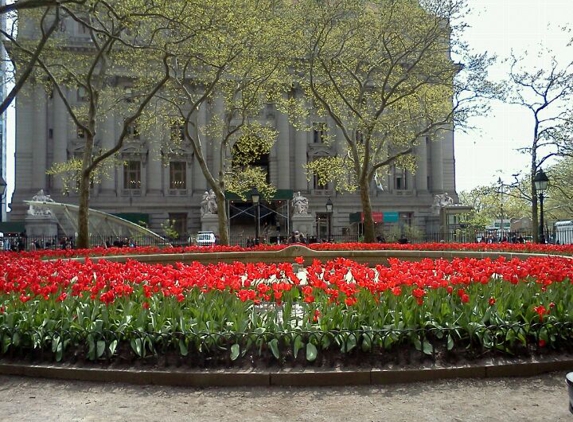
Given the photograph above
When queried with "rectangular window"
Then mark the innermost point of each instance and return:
(132, 175)
(82, 94)
(177, 132)
(177, 175)
(318, 185)
(62, 25)
(319, 133)
(406, 219)
(178, 223)
(83, 29)
(133, 131)
(400, 180)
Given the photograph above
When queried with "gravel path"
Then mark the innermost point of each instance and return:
(540, 398)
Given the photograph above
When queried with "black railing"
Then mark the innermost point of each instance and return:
(31, 243)
(28, 243)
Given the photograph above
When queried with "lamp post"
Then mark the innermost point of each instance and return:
(329, 208)
(3, 185)
(541, 181)
(501, 205)
(256, 198)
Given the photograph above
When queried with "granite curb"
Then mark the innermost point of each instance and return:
(287, 377)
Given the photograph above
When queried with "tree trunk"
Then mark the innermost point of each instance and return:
(534, 215)
(83, 240)
(222, 217)
(369, 235)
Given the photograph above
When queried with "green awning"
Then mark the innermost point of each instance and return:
(280, 195)
(12, 227)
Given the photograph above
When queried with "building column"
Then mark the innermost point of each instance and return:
(300, 160)
(199, 180)
(39, 132)
(155, 180)
(448, 163)
(108, 139)
(437, 175)
(421, 176)
(60, 136)
(25, 142)
(283, 151)
(219, 114)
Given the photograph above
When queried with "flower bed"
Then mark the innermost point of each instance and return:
(285, 313)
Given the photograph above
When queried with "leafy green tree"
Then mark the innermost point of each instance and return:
(498, 201)
(559, 196)
(233, 69)
(547, 93)
(126, 39)
(382, 71)
(25, 51)
(19, 5)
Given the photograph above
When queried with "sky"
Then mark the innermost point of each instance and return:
(499, 27)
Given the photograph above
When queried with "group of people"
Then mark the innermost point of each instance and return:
(120, 243)
(297, 237)
(493, 238)
(15, 244)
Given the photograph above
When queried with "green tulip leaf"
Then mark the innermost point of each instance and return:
(298, 344)
(100, 348)
(235, 351)
(137, 346)
(311, 352)
(183, 349)
(274, 346)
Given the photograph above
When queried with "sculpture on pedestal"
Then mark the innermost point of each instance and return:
(40, 197)
(209, 203)
(299, 203)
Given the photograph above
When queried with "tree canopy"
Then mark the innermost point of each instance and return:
(383, 72)
(547, 93)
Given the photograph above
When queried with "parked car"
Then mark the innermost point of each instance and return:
(205, 238)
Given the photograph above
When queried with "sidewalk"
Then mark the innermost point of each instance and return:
(539, 398)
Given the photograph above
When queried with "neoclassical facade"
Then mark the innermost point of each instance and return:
(155, 186)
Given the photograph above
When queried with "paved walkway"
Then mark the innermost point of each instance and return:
(540, 398)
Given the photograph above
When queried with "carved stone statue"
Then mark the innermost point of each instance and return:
(209, 203)
(440, 201)
(299, 203)
(40, 197)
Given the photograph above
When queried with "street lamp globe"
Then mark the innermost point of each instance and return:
(329, 205)
(541, 181)
(255, 196)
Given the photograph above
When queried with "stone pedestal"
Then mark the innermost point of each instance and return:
(303, 223)
(210, 222)
(41, 226)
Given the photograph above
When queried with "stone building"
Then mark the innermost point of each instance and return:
(146, 189)
(3, 116)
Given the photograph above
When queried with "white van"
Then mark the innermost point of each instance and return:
(205, 239)
(564, 232)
